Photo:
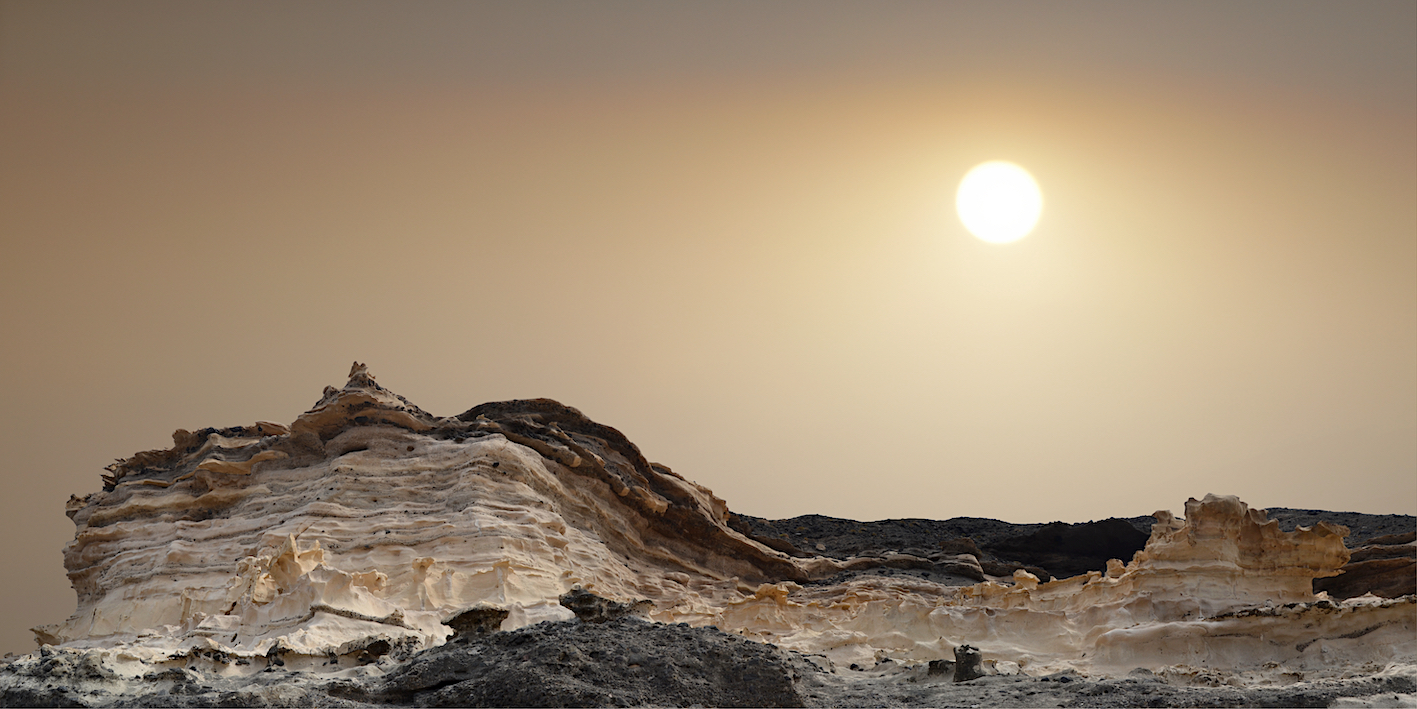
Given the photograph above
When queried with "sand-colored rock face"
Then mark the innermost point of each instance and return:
(1222, 589)
(370, 518)
(368, 515)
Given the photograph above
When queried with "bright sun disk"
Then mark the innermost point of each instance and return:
(999, 202)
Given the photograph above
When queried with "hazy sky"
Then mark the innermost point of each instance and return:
(726, 229)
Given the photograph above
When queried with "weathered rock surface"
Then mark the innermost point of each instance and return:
(623, 662)
(1364, 529)
(1001, 548)
(572, 663)
(368, 515)
(368, 539)
(969, 664)
(1053, 550)
(893, 684)
(1385, 567)
(1073, 549)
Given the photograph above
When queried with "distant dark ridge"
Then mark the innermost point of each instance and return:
(1060, 549)
(1361, 527)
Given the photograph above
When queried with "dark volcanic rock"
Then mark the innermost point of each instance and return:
(846, 538)
(1384, 558)
(1362, 528)
(1383, 570)
(1060, 550)
(1073, 549)
(625, 662)
(969, 663)
(593, 609)
(629, 662)
(479, 620)
(1000, 547)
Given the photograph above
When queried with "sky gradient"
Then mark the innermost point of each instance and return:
(726, 229)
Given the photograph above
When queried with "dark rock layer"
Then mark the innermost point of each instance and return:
(1055, 550)
(1363, 529)
(624, 662)
(1384, 559)
(675, 518)
(1073, 549)
(1386, 570)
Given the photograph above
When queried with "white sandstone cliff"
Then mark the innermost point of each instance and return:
(367, 518)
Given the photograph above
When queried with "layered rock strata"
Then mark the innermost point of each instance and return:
(1386, 567)
(369, 528)
(368, 515)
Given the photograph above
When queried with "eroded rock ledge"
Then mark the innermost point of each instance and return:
(369, 529)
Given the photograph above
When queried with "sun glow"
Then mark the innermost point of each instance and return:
(999, 202)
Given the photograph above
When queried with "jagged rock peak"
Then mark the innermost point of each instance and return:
(362, 401)
(359, 375)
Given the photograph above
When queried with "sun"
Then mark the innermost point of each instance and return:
(999, 202)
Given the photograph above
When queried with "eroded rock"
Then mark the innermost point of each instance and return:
(969, 663)
(369, 530)
(1387, 570)
(622, 662)
(591, 608)
(1065, 550)
(480, 620)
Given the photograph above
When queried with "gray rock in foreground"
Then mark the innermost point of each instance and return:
(624, 662)
(912, 687)
(630, 662)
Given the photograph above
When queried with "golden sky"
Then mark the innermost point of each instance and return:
(726, 229)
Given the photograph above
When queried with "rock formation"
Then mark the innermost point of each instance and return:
(369, 530)
(969, 663)
(369, 516)
(1386, 566)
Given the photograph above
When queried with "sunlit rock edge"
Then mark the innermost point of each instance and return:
(368, 522)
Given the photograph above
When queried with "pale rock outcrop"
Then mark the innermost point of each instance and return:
(1180, 602)
(370, 527)
(367, 515)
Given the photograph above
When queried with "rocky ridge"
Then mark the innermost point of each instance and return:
(369, 538)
